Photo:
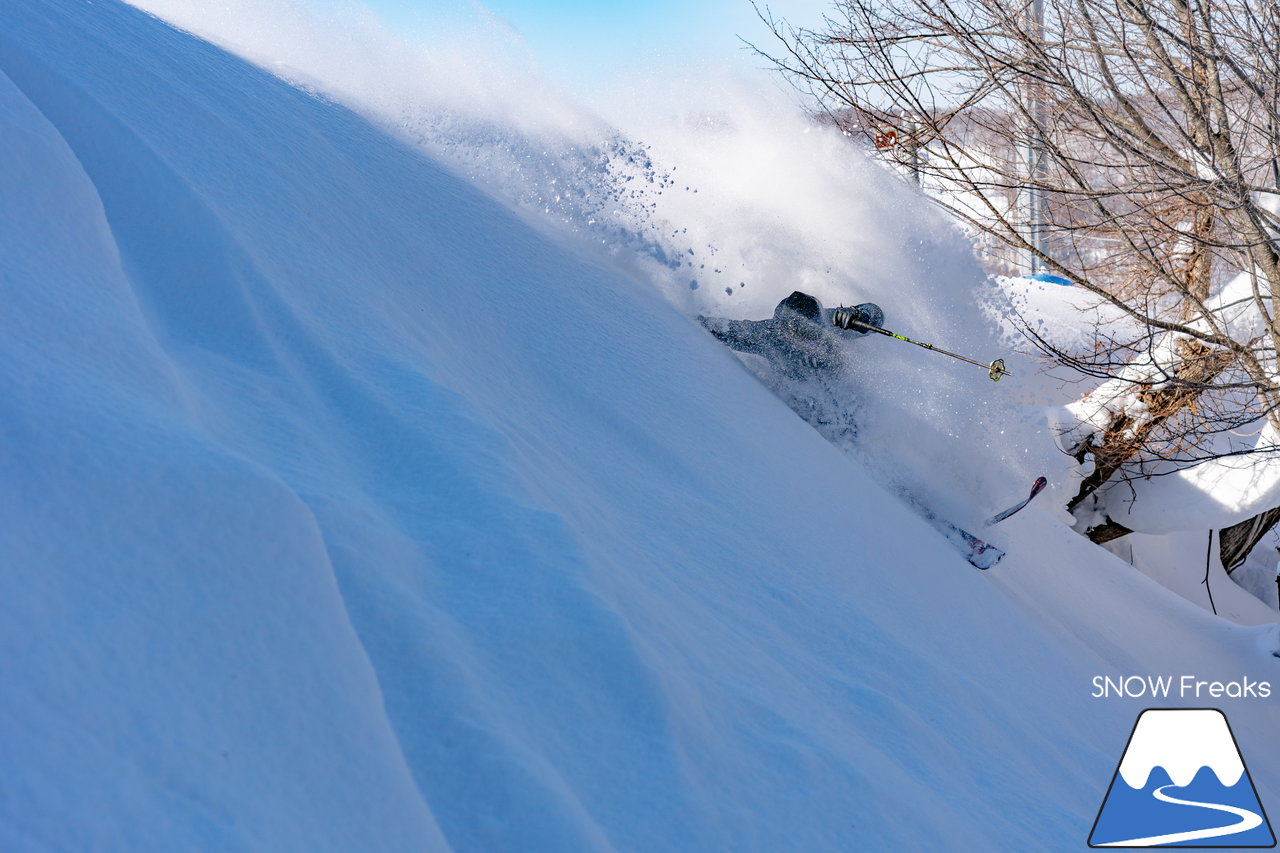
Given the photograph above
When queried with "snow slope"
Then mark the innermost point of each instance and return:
(348, 509)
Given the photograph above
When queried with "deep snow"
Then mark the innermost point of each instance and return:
(348, 506)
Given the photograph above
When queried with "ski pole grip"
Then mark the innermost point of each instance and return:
(847, 318)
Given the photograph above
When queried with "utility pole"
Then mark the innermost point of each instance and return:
(1034, 203)
(1271, 129)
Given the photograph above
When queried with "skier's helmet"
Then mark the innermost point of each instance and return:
(801, 304)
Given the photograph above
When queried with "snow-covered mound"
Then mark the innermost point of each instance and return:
(723, 196)
(346, 509)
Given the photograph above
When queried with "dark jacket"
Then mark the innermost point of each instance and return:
(798, 339)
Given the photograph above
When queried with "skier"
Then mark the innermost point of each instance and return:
(799, 345)
(796, 339)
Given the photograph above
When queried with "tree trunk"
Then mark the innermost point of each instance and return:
(1124, 437)
(1235, 542)
(1107, 531)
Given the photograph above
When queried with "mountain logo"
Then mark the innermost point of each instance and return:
(1181, 783)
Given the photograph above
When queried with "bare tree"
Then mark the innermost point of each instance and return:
(1149, 127)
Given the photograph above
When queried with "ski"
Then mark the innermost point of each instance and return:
(1036, 489)
(980, 554)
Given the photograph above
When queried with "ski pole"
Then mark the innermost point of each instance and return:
(995, 369)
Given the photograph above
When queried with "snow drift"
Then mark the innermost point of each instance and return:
(347, 508)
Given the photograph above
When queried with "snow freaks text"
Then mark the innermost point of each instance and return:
(1177, 687)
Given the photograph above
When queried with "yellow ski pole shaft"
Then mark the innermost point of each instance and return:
(995, 369)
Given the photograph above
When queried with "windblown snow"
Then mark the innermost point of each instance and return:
(349, 505)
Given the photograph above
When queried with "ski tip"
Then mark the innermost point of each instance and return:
(1036, 488)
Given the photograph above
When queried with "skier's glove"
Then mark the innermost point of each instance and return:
(844, 317)
(858, 317)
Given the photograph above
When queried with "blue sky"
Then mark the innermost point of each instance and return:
(585, 44)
